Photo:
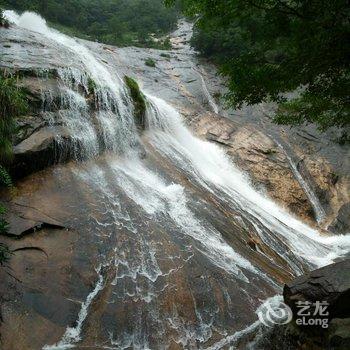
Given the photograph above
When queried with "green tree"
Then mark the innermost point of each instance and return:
(267, 48)
(116, 22)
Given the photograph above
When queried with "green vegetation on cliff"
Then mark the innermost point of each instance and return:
(150, 62)
(138, 100)
(12, 104)
(5, 253)
(116, 22)
(3, 21)
(270, 47)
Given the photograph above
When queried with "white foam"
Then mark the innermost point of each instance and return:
(149, 191)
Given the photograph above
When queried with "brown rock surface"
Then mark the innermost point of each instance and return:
(260, 157)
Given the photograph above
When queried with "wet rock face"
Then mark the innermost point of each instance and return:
(156, 287)
(173, 264)
(189, 85)
(330, 283)
(260, 157)
(341, 223)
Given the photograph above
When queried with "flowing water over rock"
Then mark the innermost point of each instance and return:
(169, 244)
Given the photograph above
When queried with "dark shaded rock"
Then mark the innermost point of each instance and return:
(20, 227)
(339, 334)
(330, 283)
(37, 87)
(341, 224)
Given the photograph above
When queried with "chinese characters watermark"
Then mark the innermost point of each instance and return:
(312, 314)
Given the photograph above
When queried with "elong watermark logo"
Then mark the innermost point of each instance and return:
(273, 312)
(276, 312)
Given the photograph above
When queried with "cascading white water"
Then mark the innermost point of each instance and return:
(205, 163)
(73, 334)
(75, 116)
(115, 121)
(210, 165)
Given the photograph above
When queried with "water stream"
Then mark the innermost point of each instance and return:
(207, 94)
(317, 206)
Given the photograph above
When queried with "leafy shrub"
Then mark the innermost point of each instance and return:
(5, 180)
(4, 225)
(166, 55)
(268, 48)
(12, 104)
(91, 85)
(150, 62)
(116, 22)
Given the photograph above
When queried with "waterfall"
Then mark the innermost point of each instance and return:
(207, 94)
(318, 209)
(135, 196)
(113, 104)
(210, 166)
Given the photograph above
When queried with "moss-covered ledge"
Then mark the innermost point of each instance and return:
(139, 102)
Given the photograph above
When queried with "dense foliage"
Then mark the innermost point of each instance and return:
(118, 22)
(270, 47)
(12, 104)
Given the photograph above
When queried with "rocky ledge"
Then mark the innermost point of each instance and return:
(330, 284)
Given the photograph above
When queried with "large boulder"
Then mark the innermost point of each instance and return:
(39, 150)
(330, 284)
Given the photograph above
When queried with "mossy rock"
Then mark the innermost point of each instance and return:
(29, 72)
(139, 101)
